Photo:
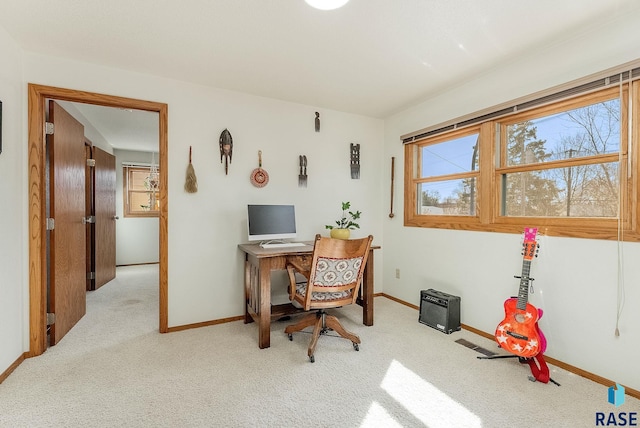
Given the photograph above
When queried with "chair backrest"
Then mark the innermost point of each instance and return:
(337, 267)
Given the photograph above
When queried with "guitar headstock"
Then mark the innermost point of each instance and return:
(530, 246)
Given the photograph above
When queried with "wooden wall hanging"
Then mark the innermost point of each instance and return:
(259, 176)
(393, 160)
(355, 161)
(302, 177)
(226, 149)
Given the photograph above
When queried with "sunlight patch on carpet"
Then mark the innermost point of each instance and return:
(424, 401)
(377, 416)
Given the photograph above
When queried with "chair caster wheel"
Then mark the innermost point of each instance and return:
(312, 358)
(291, 337)
(356, 346)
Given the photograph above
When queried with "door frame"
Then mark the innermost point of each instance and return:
(37, 96)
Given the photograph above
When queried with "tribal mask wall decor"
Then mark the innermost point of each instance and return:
(226, 149)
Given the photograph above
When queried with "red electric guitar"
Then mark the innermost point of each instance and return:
(518, 333)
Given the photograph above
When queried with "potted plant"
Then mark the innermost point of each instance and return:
(345, 223)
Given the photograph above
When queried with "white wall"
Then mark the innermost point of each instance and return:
(13, 215)
(205, 267)
(576, 280)
(137, 239)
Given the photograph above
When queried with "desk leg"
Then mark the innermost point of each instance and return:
(247, 292)
(264, 304)
(367, 291)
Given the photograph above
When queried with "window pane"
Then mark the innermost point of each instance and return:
(144, 201)
(451, 157)
(585, 131)
(137, 179)
(143, 180)
(451, 197)
(578, 191)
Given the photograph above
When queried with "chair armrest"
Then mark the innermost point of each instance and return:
(292, 269)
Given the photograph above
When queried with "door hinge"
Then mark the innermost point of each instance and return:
(91, 163)
(91, 275)
(51, 224)
(51, 318)
(89, 219)
(48, 128)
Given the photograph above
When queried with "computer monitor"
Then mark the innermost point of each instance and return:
(271, 222)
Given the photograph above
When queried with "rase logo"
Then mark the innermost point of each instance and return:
(616, 397)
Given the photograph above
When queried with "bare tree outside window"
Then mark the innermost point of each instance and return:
(528, 193)
(586, 186)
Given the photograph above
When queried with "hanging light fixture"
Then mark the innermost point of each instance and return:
(326, 4)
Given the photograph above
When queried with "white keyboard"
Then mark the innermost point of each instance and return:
(283, 245)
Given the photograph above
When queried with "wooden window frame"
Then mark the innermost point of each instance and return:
(492, 149)
(126, 192)
(413, 170)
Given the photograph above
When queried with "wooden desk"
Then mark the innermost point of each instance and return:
(259, 262)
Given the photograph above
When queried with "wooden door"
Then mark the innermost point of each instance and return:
(104, 198)
(89, 210)
(67, 271)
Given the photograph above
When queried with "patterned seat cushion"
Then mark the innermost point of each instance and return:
(332, 273)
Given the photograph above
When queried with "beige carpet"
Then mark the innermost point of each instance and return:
(114, 370)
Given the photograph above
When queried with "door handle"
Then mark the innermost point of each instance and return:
(89, 219)
(115, 217)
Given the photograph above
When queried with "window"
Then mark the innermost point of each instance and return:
(564, 166)
(564, 162)
(141, 191)
(446, 175)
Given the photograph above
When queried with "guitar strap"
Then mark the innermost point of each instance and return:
(539, 370)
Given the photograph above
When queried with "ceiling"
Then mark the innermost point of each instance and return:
(124, 129)
(371, 57)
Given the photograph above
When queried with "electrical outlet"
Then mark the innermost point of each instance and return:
(397, 273)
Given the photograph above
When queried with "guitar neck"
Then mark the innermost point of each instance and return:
(523, 292)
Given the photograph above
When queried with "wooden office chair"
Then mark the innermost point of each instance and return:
(332, 280)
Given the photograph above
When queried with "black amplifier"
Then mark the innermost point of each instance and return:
(440, 310)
